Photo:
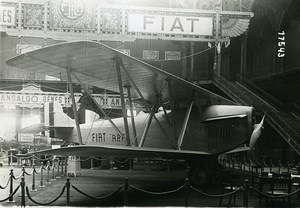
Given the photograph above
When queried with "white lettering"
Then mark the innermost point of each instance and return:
(167, 24)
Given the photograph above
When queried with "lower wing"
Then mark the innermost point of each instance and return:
(120, 151)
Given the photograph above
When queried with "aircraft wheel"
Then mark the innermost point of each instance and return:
(199, 177)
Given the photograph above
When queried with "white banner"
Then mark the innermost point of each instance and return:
(31, 98)
(170, 24)
(7, 16)
(25, 137)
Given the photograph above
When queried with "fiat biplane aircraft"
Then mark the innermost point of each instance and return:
(181, 120)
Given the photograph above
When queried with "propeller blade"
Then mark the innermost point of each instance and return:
(256, 132)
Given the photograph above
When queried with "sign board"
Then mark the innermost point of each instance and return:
(73, 19)
(150, 55)
(170, 24)
(7, 16)
(26, 138)
(172, 55)
(16, 98)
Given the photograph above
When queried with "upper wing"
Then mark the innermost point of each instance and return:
(120, 151)
(94, 63)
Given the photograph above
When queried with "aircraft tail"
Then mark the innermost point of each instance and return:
(55, 117)
(60, 125)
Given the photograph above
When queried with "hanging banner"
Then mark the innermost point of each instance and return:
(170, 24)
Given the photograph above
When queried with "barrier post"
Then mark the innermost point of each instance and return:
(42, 175)
(11, 159)
(58, 174)
(66, 166)
(53, 170)
(11, 189)
(130, 164)
(186, 187)
(92, 164)
(22, 192)
(62, 167)
(48, 172)
(246, 193)
(23, 171)
(126, 192)
(111, 162)
(32, 160)
(33, 178)
(68, 185)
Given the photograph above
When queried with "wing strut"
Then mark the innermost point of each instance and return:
(131, 115)
(172, 108)
(141, 144)
(184, 125)
(134, 85)
(118, 60)
(74, 105)
(98, 105)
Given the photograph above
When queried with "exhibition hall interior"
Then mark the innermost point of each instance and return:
(162, 103)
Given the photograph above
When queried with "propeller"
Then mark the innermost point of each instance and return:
(256, 132)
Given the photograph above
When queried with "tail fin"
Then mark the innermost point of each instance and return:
(55, 117)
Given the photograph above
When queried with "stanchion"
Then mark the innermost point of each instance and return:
(23, 171)
(42, 176)
(33, 179)
(126, 192)
(92, 164)
(58, 174)
(11, 189)
(53, 170)
(111, 162)
(48, 172)
(66, 166)
(186, 188)
(130, 164)
(62, 167)
(32, 161)
(246, 193)
(22, 192)
(68, 185)
(11, 160)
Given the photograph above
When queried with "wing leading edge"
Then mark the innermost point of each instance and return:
(120, 151)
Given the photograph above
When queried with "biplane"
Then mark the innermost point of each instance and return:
(180, 120)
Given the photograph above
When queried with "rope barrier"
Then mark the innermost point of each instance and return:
(118, 161)
(29, 173)
(273, 196)
(101, 159)
(40, 170)
(4, 187)
(17, 178)
(15, 191)
(217, 195)
(101, 197)
(156, 193)
(38, 203)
